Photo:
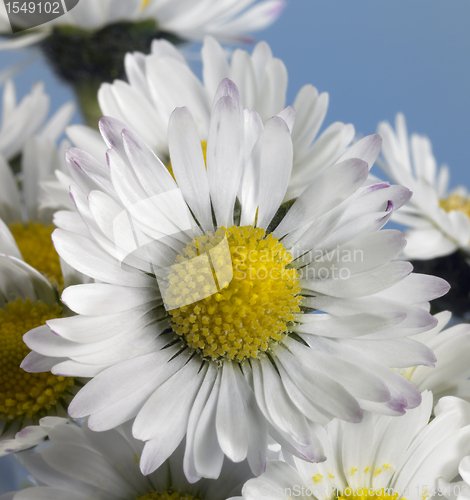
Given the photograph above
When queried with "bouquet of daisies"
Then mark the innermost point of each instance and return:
(198, 297)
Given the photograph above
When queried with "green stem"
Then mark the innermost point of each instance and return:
(87, 94)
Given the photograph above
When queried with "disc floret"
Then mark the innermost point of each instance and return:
(255, 294)
(22, 394)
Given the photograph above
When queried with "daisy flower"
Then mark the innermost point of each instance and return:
(25, 229)
(28, 156)
(229, 22)
(27, 300)
(87, 45)
(199, 323)
(162, 81)
(382, 458)
(438, 220)
(81, 464)
(451, 346)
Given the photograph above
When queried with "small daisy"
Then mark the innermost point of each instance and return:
(87, 45)
(27, 300)
(199, 323)
(162, 81)
(382, 458)
(451, 346)
(84, 465)
(439, 221)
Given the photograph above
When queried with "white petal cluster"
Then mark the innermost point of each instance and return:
(433, 232)
(407, 457)
(330, 365)
(162, 81)
(79, 464)
(27, 134)
(229, 21)
(451, 373)
(236, 321)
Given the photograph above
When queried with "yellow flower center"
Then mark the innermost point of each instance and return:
(367, 494)
(231, 294)
(204, 152)
(167, 495)
(144, 4)
(35, 244)
(406, 372)
(456, 202)
(24, 394)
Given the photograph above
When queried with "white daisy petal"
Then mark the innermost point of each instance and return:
(208, 456)
(318, 199)
(194, 417)
(128, 376)
(231, 421)
(94, 262)
(274, 169)
(168, 429)
(188, 165)
(224, 149)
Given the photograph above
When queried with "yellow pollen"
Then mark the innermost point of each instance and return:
(22, 394)
(406, 372)
(367, 494)
(231, 295)
(167, 495)
(204, 152)
(456, 202)
(35, 244)
(144, 4)
(317, 478)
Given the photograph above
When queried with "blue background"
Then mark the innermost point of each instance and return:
(374, 57)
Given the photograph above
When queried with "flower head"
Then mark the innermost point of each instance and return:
(228, 22)
(163, 80)
(81, 464)
(439, 221)
(206, 320)
(27, 300)
(382, 458)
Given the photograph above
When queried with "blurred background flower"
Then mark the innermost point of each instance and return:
(373, 58)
